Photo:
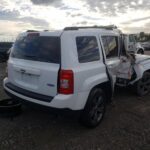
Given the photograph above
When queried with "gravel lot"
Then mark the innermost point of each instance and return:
(126, 126)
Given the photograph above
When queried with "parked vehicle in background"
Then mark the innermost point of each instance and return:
(146, 45)
(4, 50)
(133, 45)
(139, 48)
(76, 68)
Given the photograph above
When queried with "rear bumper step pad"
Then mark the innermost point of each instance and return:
(29, 94)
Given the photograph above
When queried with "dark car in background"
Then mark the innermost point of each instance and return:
(4, 50)
(146, 45)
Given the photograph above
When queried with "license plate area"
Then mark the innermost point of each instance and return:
(26, 80)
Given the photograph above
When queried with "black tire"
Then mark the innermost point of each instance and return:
(140, 51)
(2, 58)
(10, 108)
(94, 110)
(142, 86)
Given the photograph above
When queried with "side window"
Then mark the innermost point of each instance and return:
(110, 44)
(87, 49)
(131, 38)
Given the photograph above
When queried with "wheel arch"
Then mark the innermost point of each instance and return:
(147, 71)
(139, 74)
(106, 87)
(141, 49)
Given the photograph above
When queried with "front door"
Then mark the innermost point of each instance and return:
(110, 45)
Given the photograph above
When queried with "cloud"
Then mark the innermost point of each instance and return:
(82, 23)
(129, 15)
(55, 3)
(10, 29)
(92, 18)
(63, 7)
(75, 14)
(129, 29)
(113, 7)
(9, 15)
(16, 17)
(35, 22)
(136, 20)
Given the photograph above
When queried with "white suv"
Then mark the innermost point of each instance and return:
(69, 69)
(133, 45)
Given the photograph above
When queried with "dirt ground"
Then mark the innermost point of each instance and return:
(126, 126)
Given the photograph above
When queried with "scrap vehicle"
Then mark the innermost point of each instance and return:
(133, 45)
(75, 68)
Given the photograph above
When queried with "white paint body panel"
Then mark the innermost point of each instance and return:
(86, 75)
(142, 65)
(39, 74)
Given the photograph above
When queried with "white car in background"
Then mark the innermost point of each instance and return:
(146, 45)
(133, 45)
(139, 48)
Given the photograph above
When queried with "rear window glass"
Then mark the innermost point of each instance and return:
(37, 48)
(87, 48)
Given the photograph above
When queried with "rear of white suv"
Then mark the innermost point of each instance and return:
(34, 64)
(35, 74)
(58, 69)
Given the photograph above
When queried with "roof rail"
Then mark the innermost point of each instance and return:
(32, 31)
(109, 27)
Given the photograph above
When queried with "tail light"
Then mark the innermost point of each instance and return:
(66, 82)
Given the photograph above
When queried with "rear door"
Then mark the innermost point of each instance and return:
(34, 63)
(110, 44)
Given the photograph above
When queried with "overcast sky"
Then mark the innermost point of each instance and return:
(18, 15)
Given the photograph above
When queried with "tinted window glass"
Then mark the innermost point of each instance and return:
(105, 44)
(87, 48)
(110, 44)
(37, 48)
(131, 38)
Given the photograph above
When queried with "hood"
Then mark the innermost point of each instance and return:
(142, 59)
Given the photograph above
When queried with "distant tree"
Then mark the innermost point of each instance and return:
(148, 37)
(142, 35)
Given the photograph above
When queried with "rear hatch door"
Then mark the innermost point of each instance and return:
(34, 63)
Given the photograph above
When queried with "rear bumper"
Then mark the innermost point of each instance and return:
(27, 103)
(27, 93)
(60, 101)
